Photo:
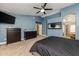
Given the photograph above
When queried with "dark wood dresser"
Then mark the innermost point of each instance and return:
(13, 35)
(30, 34)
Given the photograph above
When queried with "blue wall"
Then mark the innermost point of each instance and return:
(44, 26)
(54, 32)
(26, 23)
(74, 9)
(51, 19)
(54, 18)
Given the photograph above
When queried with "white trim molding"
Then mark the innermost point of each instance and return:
(54, 12)
(3, 43)
(44, 35)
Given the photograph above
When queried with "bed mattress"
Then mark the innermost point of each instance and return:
(56, 46)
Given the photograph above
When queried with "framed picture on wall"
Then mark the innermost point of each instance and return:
(56, 25)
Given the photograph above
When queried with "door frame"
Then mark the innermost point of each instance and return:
(37, 28)
(63, 23)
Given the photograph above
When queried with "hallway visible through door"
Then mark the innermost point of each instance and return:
(69, 26)
(38, 28)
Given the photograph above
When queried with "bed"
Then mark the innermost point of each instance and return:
(55, 46)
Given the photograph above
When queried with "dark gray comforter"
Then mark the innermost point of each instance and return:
(56, 46)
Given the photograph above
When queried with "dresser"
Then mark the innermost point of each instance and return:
(13, 35)
(30, 34)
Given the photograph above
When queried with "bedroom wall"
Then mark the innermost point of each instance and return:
(26, 23)
(44, 26)
(51, 19)
(74, 9)
(55, 18)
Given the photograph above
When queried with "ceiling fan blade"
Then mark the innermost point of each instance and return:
(36, 8)
(48, 9)
(37, 12)
(44, 5)
(44, 12)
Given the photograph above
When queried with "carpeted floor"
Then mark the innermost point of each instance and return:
(19, 48)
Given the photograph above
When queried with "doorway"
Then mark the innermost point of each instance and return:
(38, 28)
(69, 26)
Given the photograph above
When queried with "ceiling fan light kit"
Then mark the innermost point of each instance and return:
(42, 9)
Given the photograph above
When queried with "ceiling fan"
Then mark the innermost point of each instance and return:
(42, 9)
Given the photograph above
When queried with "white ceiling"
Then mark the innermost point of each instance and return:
(27, 8)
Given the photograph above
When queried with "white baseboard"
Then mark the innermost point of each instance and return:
(22, 38)
(3, 43)
(44, 35)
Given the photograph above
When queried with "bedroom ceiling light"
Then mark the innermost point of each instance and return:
(42, 10)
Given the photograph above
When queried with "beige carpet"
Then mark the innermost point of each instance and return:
(19, 48)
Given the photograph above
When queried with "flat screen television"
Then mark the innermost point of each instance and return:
(56, 25)
(6, 19)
